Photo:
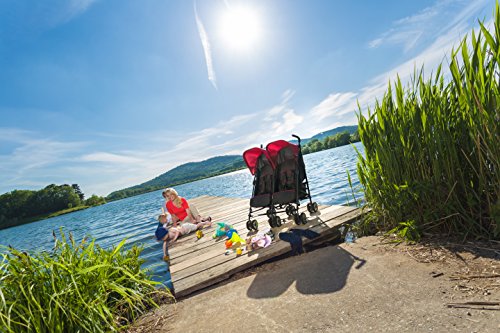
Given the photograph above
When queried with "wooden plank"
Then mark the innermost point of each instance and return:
(217, 255)
(234, 264)
(196, 264)
(193, 251)
(190, 243)
(190, 251)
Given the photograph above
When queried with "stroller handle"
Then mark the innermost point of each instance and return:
(297, 137)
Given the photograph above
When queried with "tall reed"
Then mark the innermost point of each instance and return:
(78, 287)
(432, 151)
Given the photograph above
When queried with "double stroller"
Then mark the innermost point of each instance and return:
(280, 182)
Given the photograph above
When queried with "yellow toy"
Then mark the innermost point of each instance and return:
(199, 234)
(233, 236)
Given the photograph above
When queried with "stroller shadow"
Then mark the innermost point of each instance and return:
(320, 272)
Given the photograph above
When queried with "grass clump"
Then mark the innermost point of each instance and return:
(432, 151)
(78, 287)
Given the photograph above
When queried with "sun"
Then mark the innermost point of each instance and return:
(240, 28)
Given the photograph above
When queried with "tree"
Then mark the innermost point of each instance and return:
(355, 137)
(95, 200)
(79, 192)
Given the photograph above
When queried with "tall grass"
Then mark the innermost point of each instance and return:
(78, 287)
(432, 151)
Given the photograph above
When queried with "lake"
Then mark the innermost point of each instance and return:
(135, 218)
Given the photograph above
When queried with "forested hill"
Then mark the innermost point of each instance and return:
(218, 165)
(320, 136)
(184, 173)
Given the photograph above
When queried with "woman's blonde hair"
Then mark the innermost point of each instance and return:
(177, 199)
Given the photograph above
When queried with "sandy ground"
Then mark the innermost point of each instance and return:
(368, 285)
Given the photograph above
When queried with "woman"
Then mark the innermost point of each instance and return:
(179, 208)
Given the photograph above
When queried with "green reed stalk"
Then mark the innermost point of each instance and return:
(432, 151)
(75, 288)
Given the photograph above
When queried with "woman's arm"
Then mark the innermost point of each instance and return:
(185, 205)
(175, 220)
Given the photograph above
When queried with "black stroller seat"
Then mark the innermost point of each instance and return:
(263, 183)
(286, 177)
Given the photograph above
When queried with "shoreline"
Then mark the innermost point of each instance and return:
(45, 216)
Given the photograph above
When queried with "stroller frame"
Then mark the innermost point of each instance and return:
(280, 200)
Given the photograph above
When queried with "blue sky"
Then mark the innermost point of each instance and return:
(112, 93)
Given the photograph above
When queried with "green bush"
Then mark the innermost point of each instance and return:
(75, 288)
(432, 151)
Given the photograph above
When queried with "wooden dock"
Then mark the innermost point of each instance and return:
(199, 263)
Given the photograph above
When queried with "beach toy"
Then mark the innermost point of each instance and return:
(239, 251)
(229, 244)
(233, 236)
(199, 234)
(221, 229)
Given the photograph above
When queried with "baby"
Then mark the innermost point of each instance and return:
(170, 235)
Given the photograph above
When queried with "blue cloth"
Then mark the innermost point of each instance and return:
(160, 233)
(294, 237)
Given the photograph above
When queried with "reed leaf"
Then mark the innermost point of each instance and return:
(432, 150)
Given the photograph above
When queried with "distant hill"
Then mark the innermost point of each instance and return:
(214, 166)
(184, 173)
(322, 135)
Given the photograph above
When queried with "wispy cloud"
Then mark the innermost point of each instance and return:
(206, 48)
(408, 30)
(110, 158)
(33, 159)
(71, 9)
(423, 26)
(437, 52)
(334, 104)
(23, 17)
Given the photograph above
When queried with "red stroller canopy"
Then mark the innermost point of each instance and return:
(275, 147)
(251, 157)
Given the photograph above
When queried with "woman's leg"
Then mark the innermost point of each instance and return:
(194, 212)
(204, 223)
(197, 215)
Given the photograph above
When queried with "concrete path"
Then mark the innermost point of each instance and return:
(343, 288)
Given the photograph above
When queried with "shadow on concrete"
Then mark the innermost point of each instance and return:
(318, 272)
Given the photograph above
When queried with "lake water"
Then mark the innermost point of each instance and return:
(135, 218)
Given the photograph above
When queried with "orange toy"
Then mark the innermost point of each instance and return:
(229, 244)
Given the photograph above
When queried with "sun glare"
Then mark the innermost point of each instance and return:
(240, 28)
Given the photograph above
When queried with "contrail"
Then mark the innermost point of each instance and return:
(206, 48)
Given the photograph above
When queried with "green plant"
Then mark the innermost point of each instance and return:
(356, 201)
(432, 151)
(407, 231)
(75, 288)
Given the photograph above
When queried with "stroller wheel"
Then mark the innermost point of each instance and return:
(296, 218)
(289, 210)
(303, 218)
(254, 225)
(312, 207)
(249, 226)
(277, 221)
(271, 222)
